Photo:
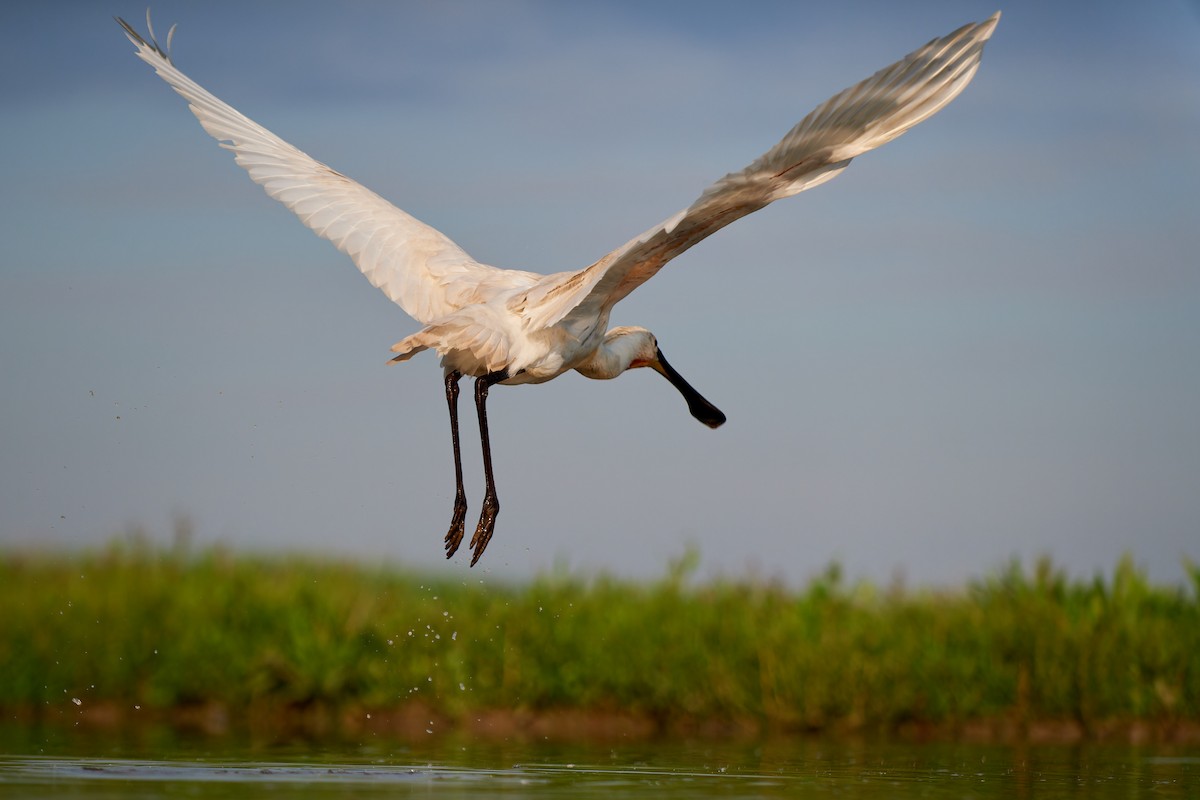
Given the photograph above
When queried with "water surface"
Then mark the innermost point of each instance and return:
(61, 764)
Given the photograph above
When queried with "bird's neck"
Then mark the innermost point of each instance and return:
(610, 359)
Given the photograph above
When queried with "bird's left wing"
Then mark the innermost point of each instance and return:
(819, 147)
(415, 265)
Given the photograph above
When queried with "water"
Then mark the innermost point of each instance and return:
(37, 764)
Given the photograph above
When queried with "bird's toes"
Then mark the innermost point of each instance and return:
(457, 528)
(454, 539)
(483, 531)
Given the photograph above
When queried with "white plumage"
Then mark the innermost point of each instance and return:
(511, 326)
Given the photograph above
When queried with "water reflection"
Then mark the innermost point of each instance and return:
(151, 762)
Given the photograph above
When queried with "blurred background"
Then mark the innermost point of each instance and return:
(978, 343)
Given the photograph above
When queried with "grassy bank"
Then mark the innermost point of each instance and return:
(137, 629)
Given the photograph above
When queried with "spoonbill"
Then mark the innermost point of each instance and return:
(504, 326)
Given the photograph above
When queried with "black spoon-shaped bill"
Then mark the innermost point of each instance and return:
(701, 409)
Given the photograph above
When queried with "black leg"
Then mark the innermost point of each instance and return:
(455, 535)
(491, 504)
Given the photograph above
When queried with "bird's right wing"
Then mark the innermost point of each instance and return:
(819, 147)
(415, 265)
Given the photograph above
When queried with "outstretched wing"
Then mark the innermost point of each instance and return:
(819, 147)
(415, 265)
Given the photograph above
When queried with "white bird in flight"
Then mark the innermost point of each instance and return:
(512, 327)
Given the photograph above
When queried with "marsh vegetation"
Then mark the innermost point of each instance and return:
(135, 631)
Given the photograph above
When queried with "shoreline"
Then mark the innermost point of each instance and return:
(415, 721)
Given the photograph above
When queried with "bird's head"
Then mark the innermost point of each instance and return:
(640, 347)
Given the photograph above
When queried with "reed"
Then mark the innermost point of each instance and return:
(154, 629)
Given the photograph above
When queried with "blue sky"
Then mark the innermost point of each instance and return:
(981, 341)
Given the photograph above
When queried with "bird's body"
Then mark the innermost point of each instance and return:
(511, 326)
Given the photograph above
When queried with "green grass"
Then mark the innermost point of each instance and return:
(136, 626)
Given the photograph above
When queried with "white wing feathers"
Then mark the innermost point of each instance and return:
(819, 147)
(415, 265)
(431, 277)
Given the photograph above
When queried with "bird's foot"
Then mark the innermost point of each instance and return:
(457, 524)
(487, 524)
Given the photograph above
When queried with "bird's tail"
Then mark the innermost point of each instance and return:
(409, 346)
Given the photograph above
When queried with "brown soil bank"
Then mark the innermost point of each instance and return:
(418, 721)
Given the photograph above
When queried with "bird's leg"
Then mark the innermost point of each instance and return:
(491, 504)
(454, 536)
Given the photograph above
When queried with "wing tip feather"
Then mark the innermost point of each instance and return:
(149, 44)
